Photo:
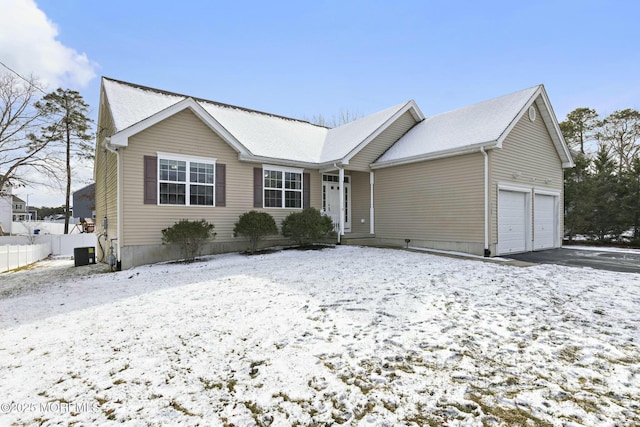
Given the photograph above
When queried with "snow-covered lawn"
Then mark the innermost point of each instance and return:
(360, 336)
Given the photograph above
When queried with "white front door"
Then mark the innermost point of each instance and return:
(331, 200)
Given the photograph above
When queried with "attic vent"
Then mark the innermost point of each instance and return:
(532, 113)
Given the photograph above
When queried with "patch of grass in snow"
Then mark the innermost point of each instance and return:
(256, 413)
(109, 413)
(626, 360)
(363, 409)
(510, 416)
(467, 408)
(570, 354)
(231, 385)
(178, 407)
(423, 417)
(210, 385)
(588, 405)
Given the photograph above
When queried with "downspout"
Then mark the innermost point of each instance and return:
(115, 151)
(487, 251)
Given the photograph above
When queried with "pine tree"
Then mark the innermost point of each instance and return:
(631, 198)
(66, 113)
(578, 127)
(607, 214)
(577, 202)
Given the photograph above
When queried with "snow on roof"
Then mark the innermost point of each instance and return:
(276, 137)
(340, 140)
(262, 134)
(131, 104)
(476, 124)
(270, 136)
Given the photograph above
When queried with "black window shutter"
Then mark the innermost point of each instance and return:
(221, 195)
(150, 180)
(257, 187)
(306, 190)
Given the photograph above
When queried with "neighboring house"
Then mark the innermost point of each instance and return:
(485, 179)
(84, 202)
(6, 210)
(19, 208)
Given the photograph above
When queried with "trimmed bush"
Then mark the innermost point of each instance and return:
(189, 236)
(255, 225)
(307, 227)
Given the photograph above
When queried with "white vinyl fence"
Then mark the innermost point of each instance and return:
(16, 252)
(16, 256)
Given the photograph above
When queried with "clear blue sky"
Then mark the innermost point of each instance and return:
(301, 59)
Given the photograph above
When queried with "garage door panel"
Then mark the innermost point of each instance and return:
(512, 220)
(544, 222)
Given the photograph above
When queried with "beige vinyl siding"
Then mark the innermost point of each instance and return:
(360, 202)
(433, 201)
(105, 175)
(185, 134)
(381, 143)
(529, 154)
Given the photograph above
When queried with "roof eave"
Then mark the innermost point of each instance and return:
(556, 135)
(475, 148)
(247, 157)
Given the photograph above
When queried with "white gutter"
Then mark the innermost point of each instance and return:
(487, 252)
(433, 156)
(276, 161)
(110, 148)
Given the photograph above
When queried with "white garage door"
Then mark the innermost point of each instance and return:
(544, 222)
(512, 221)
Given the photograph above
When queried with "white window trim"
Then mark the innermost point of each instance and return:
(284, 170)
(188, 159)
(546, 192)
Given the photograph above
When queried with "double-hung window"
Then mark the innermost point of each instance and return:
(282, 187)
(187, 181)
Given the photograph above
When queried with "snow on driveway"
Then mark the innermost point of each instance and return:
(354, 336)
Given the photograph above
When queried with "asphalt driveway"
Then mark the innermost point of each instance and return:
(628, 262)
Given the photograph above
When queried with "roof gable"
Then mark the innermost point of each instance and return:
(363, 131)
(485, 124)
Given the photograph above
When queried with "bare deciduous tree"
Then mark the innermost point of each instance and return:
(343, 117)
(21, 149)
(619, 132)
